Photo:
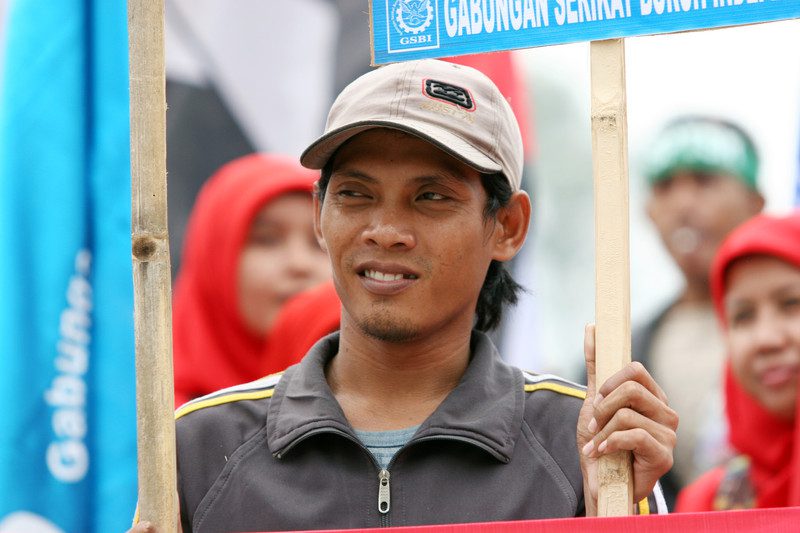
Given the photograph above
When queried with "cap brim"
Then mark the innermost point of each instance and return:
(321, 150)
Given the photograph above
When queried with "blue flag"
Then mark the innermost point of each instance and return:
(67, 432)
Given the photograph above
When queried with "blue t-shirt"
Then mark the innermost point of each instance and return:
(384, 444)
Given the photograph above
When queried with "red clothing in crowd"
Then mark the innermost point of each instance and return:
(305, 319)
(212, 348)
(768, 472)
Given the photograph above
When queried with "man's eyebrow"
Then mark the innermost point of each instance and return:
(432, 177)
(353, 174)
(442, 175)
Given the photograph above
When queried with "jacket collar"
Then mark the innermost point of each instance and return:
(485, 409)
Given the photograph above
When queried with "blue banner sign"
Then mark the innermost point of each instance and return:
(416, 29)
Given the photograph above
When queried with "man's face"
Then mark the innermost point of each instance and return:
(694, 211)
(404, 226)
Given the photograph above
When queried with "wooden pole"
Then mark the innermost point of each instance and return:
(612, 293)
(151, 267)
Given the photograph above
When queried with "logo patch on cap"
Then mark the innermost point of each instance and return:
(453, 94)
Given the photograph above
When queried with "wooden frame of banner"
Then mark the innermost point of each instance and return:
(151, 264)
(151, 267)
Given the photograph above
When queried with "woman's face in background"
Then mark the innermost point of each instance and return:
(762, 308)
(280, 258)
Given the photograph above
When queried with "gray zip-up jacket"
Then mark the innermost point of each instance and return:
(278, 454)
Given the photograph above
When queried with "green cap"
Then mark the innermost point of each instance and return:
(705, 145)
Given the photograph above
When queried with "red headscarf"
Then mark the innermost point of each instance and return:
(302, 321)
(767, 440)
(212, 348)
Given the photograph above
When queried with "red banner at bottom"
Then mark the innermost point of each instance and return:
(785, 520)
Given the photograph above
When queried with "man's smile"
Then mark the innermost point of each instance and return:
(386, 276)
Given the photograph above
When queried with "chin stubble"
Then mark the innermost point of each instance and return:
(383, 328)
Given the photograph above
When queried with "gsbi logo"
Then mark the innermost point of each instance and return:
(412, 25)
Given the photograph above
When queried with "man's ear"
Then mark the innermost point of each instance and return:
(317, 216)
(513, 220)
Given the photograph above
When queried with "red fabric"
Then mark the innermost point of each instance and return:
(769, 441)
(501, 69)
(699, 496)
(294, 333)
(749, 521)
(212, 348)
(765, 439)
(761, 235)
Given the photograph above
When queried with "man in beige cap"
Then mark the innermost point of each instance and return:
(408, 415)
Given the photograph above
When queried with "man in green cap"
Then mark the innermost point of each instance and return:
(702, 173)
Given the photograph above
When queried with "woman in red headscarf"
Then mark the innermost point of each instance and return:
(755, 283)
(249, 247)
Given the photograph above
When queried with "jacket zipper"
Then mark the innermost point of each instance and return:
(384, 497)
(384, 494)
(384, 488)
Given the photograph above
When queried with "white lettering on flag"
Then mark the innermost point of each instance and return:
(67, 455)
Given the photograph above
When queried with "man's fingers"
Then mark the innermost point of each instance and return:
(651, 456)
(628, 412)
(634, 371)
(633, 395)
(626, 431)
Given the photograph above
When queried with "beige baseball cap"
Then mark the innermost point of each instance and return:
(454, 107)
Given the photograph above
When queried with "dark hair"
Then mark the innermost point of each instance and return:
(499, 287)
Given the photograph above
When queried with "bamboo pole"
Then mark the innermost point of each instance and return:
(151, 267)
(612, 292)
